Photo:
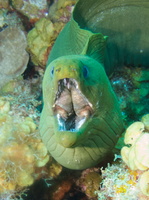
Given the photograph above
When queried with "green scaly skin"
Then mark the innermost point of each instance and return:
(82, 44)
(98, 135)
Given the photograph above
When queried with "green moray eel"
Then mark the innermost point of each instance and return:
(81, 120)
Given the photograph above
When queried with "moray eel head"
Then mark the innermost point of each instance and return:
(71, 107)
(72, 82)
(80, 121)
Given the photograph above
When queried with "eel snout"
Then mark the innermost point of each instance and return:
(71, 107)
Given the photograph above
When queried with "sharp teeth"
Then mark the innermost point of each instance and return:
(68, 85)
(61, 123)
(81, 121)
(75, 84)
(65, 82)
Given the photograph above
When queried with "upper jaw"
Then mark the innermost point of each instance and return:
(71, 108)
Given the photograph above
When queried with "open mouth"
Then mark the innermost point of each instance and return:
(71, 108)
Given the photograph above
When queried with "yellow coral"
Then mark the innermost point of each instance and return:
(4, 4)
(24, 179)
(41, 38)
(121, 189)
(4, 106)
(18, 4)
(21, 149)
(54, 169)
(64, 3)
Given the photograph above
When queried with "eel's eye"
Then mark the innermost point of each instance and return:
(85, 72)
(52, 71)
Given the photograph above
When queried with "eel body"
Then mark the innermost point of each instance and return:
(81, 120)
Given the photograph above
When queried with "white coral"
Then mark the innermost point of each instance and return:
(137, 155)
(144, 183)
(133, 132)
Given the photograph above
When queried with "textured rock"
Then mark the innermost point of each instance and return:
(33, 9)
(13, 56)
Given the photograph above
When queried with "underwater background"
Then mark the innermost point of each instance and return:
(28, 30)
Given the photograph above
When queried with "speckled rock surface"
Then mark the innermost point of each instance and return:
(33, 9)
(13, 55)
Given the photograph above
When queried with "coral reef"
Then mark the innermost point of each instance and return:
(9, 18)
(128, 178)
(41, 38)
(144, 183)
(89, 181)
(23, 156)
(33, 9)
(61, 189)
(61, 10)
(145, 121)
(118, 183)
(21, 149)
(137, 155)
(4, 4)
(132, 88)
(14, 58)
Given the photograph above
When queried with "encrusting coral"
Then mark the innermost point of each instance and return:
(145, 120)
(118, 183)
(89, 181)
(61, 10)
(41, 38)
(132, 88)
(23, 156)
(21, 150)
(128, 178)
(4, 4)
(137, 155)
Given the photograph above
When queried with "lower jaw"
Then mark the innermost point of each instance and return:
(72, 138)
(66, 138)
